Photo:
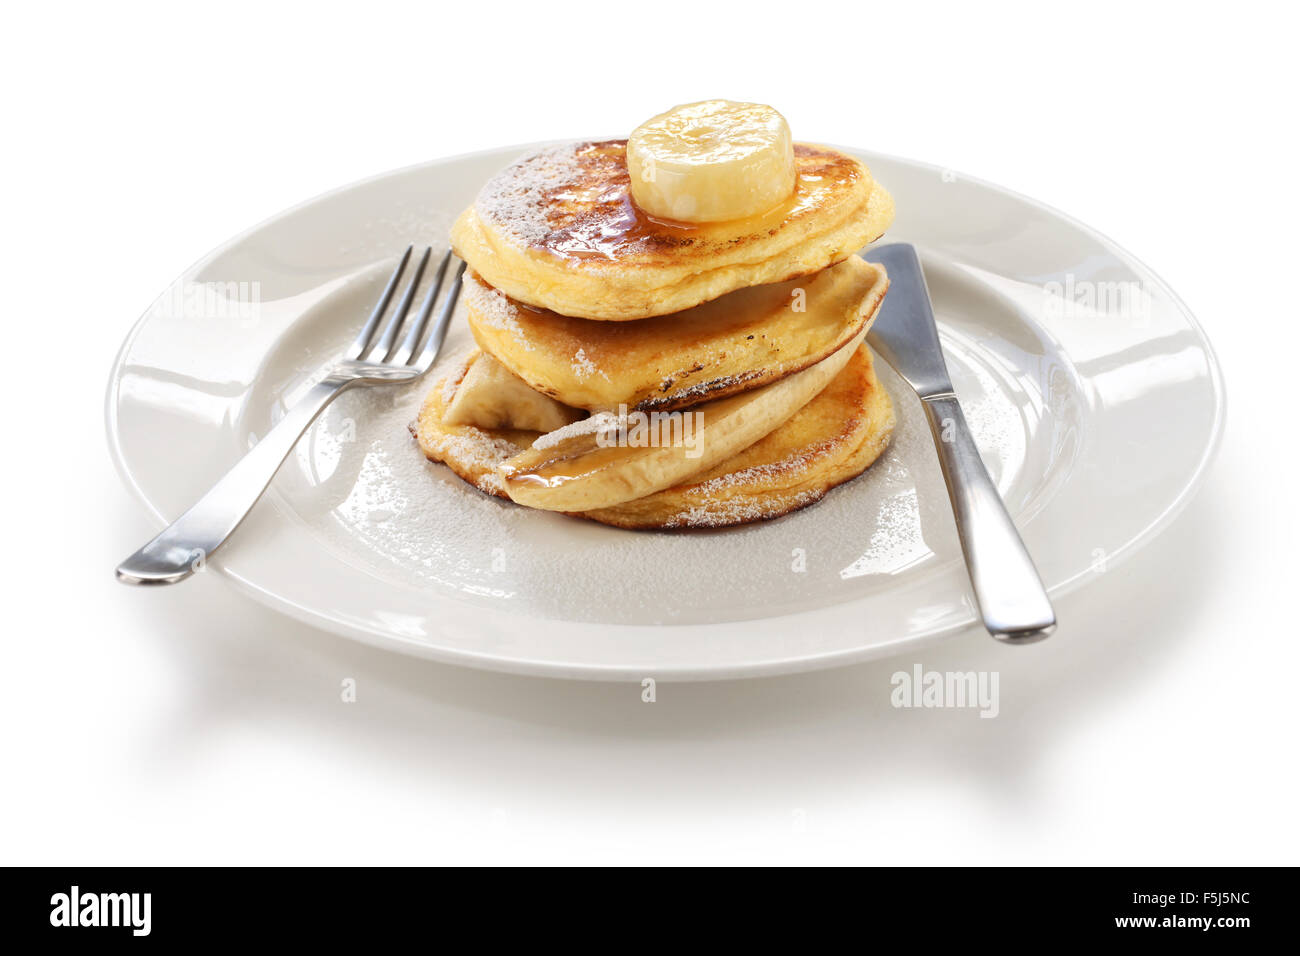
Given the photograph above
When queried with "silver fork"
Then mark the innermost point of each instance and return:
(372, 359)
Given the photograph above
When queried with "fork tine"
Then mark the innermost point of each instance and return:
(434, 343)
(362, 341)
(415, 329)
(380, 350)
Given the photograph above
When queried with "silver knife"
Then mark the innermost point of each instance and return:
(1010, 595)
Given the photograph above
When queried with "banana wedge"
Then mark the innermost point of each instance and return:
(490, 396)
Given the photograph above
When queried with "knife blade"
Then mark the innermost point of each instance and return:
(1009, 593)
(905, 334)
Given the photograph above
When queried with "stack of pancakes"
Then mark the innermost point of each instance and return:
(741, 340)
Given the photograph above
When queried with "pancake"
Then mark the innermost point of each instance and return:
(743, 340)
(832, 439)
(558, 230)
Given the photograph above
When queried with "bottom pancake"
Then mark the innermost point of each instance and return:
(833, 438)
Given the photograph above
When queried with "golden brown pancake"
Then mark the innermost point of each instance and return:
(833, 438)
(558, 230)
(743, 340)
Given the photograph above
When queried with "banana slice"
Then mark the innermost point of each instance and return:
(712, 161)
(604, 461)
(490, 396)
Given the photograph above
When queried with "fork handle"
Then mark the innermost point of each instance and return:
(1011, 597)
(184, 546)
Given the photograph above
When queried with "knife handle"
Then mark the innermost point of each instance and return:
(1011, 597)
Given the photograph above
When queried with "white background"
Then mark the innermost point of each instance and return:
(187, 725)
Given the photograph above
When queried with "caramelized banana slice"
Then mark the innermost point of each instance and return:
(603, 461)
(490, 396)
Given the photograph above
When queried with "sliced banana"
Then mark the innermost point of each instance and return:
(603, 461)
(490, 396)
(712, 161)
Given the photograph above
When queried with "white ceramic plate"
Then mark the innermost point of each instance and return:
(1093, 394)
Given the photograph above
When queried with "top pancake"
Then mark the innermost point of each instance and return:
(558, 230)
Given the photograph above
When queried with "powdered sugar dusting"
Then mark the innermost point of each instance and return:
(474, 444)
(718, 514)
(785, 467)
(594, 425)
(514, 199)
(583, 367)
(494, 309)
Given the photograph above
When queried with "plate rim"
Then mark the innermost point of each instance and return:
(390, 641)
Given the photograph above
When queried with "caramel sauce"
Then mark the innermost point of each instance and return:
(572, 459)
